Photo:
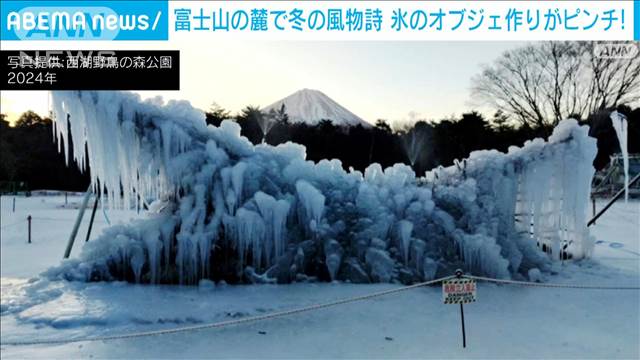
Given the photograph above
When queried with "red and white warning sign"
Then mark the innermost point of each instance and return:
(459, 291)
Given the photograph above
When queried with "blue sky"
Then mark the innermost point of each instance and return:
(374, 80)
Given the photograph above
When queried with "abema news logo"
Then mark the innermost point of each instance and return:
(85, 20)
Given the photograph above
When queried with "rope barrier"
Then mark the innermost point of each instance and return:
(52, 219)
(535, 284)
(35, 218)
(229, 322)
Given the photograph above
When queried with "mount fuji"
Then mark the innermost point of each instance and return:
(312, 106)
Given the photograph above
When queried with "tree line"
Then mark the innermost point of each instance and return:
(425, 144)
(31, 158)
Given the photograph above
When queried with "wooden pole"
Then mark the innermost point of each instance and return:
(464, 335)
(29, 229)
(76, 226)
(459, 274)
(14, 204)
(93, 216)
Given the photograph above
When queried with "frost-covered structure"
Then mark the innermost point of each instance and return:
(224, 209)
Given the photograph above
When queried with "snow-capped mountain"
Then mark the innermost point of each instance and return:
(312, 106)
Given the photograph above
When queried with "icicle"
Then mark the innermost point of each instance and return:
(404, 234)
(333, 257)
(266, 206)
(312, 204)
(620, 124)
(154, 247)
(250, 233)
(280, 214)
(274, 213)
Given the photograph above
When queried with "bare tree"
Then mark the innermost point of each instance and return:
(541, 84)
(613, 81)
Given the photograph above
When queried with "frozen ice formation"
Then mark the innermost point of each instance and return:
(620, 124)
(224, 209)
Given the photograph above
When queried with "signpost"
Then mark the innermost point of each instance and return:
(459, 291)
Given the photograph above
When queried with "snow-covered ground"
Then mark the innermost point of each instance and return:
(51, 225)
(506, 322)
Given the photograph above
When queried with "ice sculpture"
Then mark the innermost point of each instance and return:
(224, 209)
